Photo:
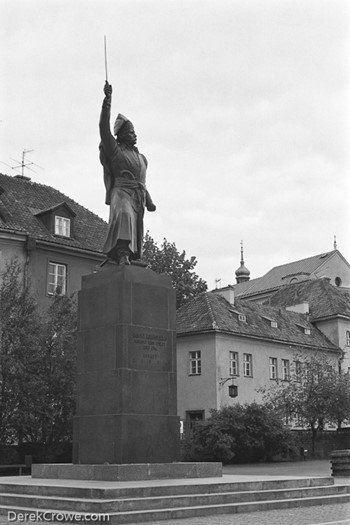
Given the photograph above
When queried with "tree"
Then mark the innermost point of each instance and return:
(243, 433)
(167, 259)
(340, 400)
(316, 394)
(58, 371)
(37, 364)
(20, 342)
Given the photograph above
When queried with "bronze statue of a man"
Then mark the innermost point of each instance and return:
(124, 170)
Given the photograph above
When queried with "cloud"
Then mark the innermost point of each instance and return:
(241, 108)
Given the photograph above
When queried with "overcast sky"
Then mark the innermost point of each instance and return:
(240, 106)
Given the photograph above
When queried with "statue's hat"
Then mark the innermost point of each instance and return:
(119, 123)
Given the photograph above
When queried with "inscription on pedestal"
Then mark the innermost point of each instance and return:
(149, 349)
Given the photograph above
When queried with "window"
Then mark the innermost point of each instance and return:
(338, 281)
(289, 418)
(195, 363)
(298, 369)
(242, 317)
(57, 277)
(271, 322)
(248, 365)
(306, 330)
(285, 370)
(273, 367)
(62, 226)
(193, 417)
(58, 219)
(348, 338)
(233, 363)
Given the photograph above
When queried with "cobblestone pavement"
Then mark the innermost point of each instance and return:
(318, 515)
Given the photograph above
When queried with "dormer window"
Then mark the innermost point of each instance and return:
(62, 226)
(58, 219)
(241, 317)
(273, 323)
(305, 329)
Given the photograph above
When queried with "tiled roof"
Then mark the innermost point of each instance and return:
(325, 300)
(21, 200)
(210, 312)
(277, 276)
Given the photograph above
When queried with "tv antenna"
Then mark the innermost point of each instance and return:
(23, 163)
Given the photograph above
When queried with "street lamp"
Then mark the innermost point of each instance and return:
(232, 389)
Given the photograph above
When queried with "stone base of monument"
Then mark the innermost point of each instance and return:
(126, 410)
(340, 461)
(128, 472)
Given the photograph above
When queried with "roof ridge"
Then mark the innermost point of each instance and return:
(323, 297)
(284, 285)
(317, 256)
(214, 324)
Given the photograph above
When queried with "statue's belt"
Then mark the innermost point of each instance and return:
(137, 189)
(129, 184)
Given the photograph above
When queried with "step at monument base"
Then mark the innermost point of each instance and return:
(152, 500)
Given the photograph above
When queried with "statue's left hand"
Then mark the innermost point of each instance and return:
(151, 207)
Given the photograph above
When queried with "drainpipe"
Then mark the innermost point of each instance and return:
(30, 247)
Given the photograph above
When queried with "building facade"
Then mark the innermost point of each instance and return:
(55, 240)
(230, 347)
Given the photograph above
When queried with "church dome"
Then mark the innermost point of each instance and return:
(242, 271)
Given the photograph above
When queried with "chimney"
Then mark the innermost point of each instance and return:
(302, 308)
(227, 292)
(23, 177)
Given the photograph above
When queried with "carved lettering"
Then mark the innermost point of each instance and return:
(150, 349)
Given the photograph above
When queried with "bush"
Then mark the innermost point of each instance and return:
(240, 434)
(208, 443)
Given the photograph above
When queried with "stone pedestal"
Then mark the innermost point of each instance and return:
(340, 461)
(129, 472)
(126, 400)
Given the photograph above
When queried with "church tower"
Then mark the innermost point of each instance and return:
(242, 274)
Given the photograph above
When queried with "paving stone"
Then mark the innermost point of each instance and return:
(321, 514)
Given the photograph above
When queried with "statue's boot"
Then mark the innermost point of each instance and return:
(124, 260)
